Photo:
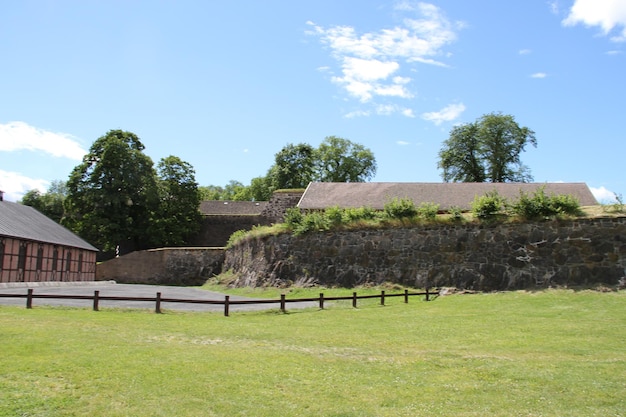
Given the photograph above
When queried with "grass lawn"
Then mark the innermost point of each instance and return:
(550, 353)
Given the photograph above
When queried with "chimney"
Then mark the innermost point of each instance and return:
(1, 195)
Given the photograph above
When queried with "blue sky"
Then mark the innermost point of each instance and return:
(224, 85)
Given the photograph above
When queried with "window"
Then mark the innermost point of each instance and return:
(21, 258)
(1, 254)
(39, 257)
(68, 261)
(55, 258)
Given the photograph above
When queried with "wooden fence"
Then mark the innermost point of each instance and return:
(158, 300)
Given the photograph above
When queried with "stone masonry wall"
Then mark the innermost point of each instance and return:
(216, 229)
(469, 256)
(166, 266)
(279, 203)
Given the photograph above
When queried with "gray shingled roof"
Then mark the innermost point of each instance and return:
(221, 207)
(320, 195)
(24, 222)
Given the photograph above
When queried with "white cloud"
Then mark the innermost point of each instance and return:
(614, 52)
(607, 14)
(357, 113)
(16, 136)
(539, 75)
(447, 114)
(371, 62)
(403, 143)
(15, 185)
(524, 51)
(603, 195)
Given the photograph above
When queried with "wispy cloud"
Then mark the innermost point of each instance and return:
(524, 51)
(371, 63)
(539, 75)
(403, 143)
(17, 136)
(608, 15)
(447, 114)
(614, 52)
(15, 185)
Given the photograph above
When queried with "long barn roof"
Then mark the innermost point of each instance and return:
(321, 195)
(24, 222)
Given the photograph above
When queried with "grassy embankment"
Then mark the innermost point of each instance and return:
(549, 353)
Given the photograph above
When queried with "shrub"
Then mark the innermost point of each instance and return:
(400, 208)
(312, 222)
(542, 206)
(361, 213)
(293, 217)
(334, 215)
(428, 211)
(456, 213)
(489, 206)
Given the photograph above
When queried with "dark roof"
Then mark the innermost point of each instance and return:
(24, 222)
(320, 195)
(222, 207)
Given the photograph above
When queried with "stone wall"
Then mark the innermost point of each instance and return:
(216, 229)
(279, 203)
(166, 266)
(469, 256)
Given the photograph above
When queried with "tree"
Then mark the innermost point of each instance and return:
(294, 167)
(49, 203)
(178, 217)
(112, 194)
(339, 160)
(487, 150)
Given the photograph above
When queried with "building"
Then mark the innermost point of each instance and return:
(34, 248)
(322, 195)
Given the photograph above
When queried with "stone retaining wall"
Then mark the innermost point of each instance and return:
(166, 266)
(468, 256)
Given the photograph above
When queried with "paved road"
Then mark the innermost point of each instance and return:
(112, 289)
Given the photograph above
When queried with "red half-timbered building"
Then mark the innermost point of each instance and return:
(34, 248)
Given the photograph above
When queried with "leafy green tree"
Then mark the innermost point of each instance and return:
(340, 160)
(461, 158)
(487, 150)
(294, 167)
(49, 203)
(178, 217)
(260, 189)
(211, 192)
(112, 194)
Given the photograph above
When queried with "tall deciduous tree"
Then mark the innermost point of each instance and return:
(294, 167)
(112, 194)
(487, 150)
(340, 160)
(178, 217)
(49, 203)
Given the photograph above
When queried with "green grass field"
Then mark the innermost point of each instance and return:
(551, 353)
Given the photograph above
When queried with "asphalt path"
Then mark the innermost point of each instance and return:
(111, 289)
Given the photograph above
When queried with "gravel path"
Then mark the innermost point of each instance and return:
(111, 289)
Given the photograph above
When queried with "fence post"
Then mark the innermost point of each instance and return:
(406, 296)
(321, 301)
(29, 298)
(382, 298)
(282, 303)
(354, 299)
(157, 309)
(427, 296)
(96, 300)
(226, 305)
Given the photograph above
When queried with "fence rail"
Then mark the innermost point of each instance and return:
(158, 300)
